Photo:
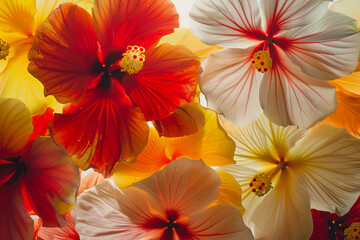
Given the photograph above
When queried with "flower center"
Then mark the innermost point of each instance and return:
(260, 184)
(352, 232)
(133, 59)
(262, 61)
(4, 49)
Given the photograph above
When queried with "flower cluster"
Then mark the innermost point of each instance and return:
(105, 132)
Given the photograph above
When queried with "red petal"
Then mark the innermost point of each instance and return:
(55, 233)
(321, 229)
(167, 81)
(64, 53)
(41, 122)
(137, 22)
(51, 180)
(102, 130)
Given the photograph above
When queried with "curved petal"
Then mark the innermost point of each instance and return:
(41, 122)
(285, 14)
(51, 180)
(320, 222)
(210, 144)
(56, 233)
(231, 85)
(15, 127)
(87, 130)
(167, 80)
(185, 120)
(332, 184)
(15, 222)
(227, 23)
(261, 143)
(90, 181)
(284, 213)
(326, 49)
(64, 54)
(186, 186)
(348, 7)
(137, 22)
(347, 113)
(17, 16)
(290, 97)
(220, 222)
(108, 213)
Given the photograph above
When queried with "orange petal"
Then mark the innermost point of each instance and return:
(15, 127)
(102, 130)
(64, 54)
(90, 181)
(51, 180)
(138, 22)
(167, 80)
(185, 120)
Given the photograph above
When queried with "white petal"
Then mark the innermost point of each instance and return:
(326, 162)
(348, 7)
(288, 96)
(226, 23)
(231, 85)
(326, 49)
(262, 143)
(284, 213)
(285, 14)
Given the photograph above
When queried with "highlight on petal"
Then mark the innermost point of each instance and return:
(348, 107)
(90, 181)
(231, 85)
(185, 120)
(15, 127)
(183, 36)
(41, 122)
(17, 16)
(347, 7)
(102, 130)
(284, 213)
(290, 97)
(64, 54)
(210, 144)
(226, 23)
(56, 233)
(285, 14)
(15, 222)
(325, 49)
(51, 180)
(219, 222)
(326, 162)
(125, 23)
(167, 80)
(185, 185)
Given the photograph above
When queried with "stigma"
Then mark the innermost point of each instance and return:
(262, 61)
(260, 184)
(352, 232)
(4, 49)
(133, 59)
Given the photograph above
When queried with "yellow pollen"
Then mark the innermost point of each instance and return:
(353, 232)
(4, 49)
(133, 59)
(262, 61)
(260, 184)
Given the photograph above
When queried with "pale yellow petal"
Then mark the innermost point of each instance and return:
(183, 36)
(15, 127)
(348, 7)
(17, 82)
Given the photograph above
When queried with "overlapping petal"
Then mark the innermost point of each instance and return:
(325, 49)
(327, 164)
(348, 7)
(15, 127)
(51, 180)
(231, 85)
(167, 81)
(103, 129)
(64, 54)
(140, 22)
(227, 23)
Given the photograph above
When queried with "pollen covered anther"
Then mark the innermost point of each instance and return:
(260, 184)
(133, 59)
(353, 232)
(262, 61)
(4, 49)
